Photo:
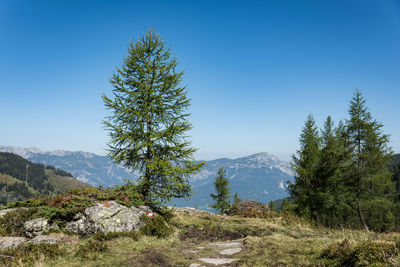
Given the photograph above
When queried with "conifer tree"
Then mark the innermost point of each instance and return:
(372, 188)
(305, 165)
(221, 197)
(149, 120)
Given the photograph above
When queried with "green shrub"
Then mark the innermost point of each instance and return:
(12, 223)
(28, 254)
(63, 208)
(32, 202)
(363, 254)
(156, 226)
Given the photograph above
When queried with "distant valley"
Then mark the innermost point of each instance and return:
(260, 177)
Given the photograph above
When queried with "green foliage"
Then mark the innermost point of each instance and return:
(27, 255)
(148, 122)
(21, 179)
(370, 181)
(341, 176)
(222, 195)
(58, 171)
(12, 223)
(305, 190)
(364, 254)
(156, 226)
(63, 208)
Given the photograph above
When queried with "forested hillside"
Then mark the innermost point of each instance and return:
(21, 179)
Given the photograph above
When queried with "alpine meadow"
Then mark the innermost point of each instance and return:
(199, 134)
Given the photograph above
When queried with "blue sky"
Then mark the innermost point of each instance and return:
(254, 69)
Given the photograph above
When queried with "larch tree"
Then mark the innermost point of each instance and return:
(371, 185)
(149, 120)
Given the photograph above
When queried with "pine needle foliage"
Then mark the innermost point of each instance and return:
(149, 120)
(222, 195)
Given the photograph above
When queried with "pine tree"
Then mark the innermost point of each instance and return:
(372, 188)
(331, 182)
(221, 197)
(305, 165)
(149, 120)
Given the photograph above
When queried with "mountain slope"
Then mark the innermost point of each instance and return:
(21, 179)
(259, 177)
(87, 167)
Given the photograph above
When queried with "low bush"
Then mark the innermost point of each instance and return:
(12, 223)
(251, 209)
(30, 253)
(363, 254)
(156, 226)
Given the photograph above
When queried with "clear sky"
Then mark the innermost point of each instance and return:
(254, 69)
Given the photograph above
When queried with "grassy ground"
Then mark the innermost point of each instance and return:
(276, 241)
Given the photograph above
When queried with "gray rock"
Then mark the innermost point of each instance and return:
(230, 251)
(107, 217)
(11, 241)
(227, 244)
(45, 239)
(216, 261)
(37, 227)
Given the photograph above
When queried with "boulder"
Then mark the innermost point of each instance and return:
(37, 227)
(107, 217)
(11, 241)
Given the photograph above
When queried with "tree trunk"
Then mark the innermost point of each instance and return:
(361, 216)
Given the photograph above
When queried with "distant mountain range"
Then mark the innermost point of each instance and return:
(87, 167)
(259, 177)
(262, 177)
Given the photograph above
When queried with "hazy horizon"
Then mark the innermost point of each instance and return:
(254, 70)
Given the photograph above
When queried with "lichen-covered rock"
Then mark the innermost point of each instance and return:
(107, 217)
(37, 227)
(11, 241)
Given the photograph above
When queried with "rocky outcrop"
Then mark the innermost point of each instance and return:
(107, 217)
(11, 241)
(37, 227)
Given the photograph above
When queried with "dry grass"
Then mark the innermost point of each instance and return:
(266, 242)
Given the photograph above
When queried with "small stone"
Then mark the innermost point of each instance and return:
(194, 265)
(193, 251)
(45, 239)
(227, 244)
(230, 251)
(217, 261)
